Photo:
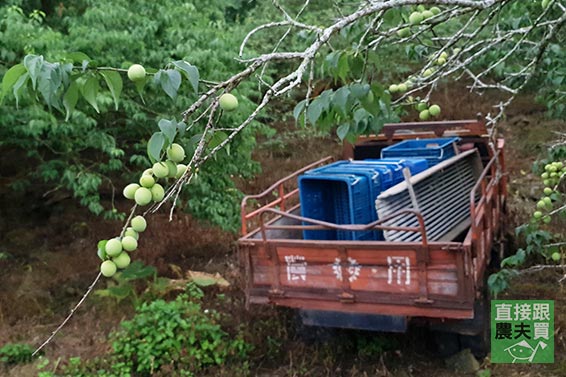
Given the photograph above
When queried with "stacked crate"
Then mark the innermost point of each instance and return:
(344, 192)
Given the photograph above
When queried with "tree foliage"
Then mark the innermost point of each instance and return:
(83, 124)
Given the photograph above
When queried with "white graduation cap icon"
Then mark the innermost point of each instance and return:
(524, 351)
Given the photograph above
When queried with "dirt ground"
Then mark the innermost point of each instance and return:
(51, 260)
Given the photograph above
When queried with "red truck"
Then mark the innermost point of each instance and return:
(379, 285)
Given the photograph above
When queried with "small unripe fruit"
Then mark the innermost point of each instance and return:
(435, 10)
(139, 224)
(547, 191)
(416, 18)
(547, 182)
(108, 268)
(130, 190)
(228, 102)
(176, 153)
(434, 110)
(544, 175)
(113, 247)
(421, 8)
(157, 193)
(444, 55)
(424, 115)
(160, 169)
(130, 232)
(556, 256)
(101, 252)
(541, 204)
(393, 88)
(441, 61)
(427, 14)
(181, 168)
(171, 168)
(143, 196)
(369, 98)
(136, 72)
(147, 181)
(148, 171)
(428, 72)
(129, 243)
(559, 165)
(122, 261)
(101, 249)
(537, 215)
(546, 219)
(545, 3)
(404, 33)
(422, 106)
(402, 88)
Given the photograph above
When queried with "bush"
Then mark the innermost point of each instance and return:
(174, 336)
(15, 353)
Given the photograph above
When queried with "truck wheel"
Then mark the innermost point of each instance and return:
(446, 343)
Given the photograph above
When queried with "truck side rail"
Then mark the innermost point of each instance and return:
(282, 196)
(318, 225)
(486, 211)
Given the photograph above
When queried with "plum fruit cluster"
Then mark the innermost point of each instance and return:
(554, 173)
(114, 252)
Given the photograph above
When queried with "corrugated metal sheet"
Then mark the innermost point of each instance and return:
(441, 194)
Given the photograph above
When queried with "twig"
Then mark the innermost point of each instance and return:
(90, 288)
(541, 267)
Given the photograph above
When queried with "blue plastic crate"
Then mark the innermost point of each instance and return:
(340, 199)
(433, 150)
(374, 176)
(415, 165)
(396, 166)
(384, 172)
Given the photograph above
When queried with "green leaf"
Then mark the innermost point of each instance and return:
(191, 72)
(19, 86)
(313, 112)
(114, 82)
(168, 128)
(89, 91)
(340, 98)
(48, 83)
(139, 84)
(78, 57)
(343, 67)
(299, 108)
(181, 127)
(155, 145)
(359, 90)
(120, 292)
(33, 64)
(343, 130)
(170, 81)
(70, 99)
(10, 78)
(137, 270)
(217, 138)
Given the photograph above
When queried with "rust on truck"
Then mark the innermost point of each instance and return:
(424, 279)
